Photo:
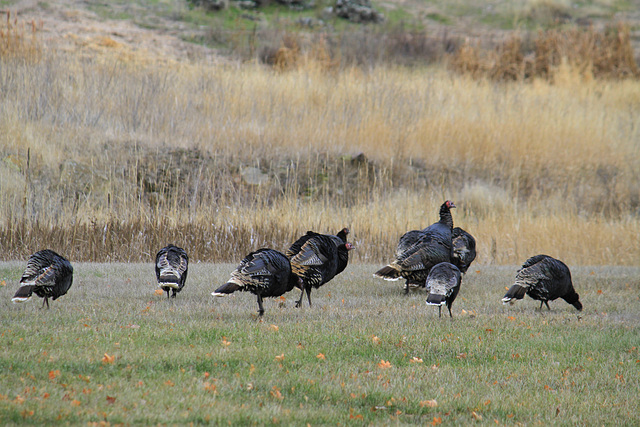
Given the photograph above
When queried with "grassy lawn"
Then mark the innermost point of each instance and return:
(112, 350)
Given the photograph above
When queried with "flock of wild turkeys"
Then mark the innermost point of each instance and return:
(435, 258)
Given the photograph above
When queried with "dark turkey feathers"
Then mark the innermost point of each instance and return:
(318, 258)
(464, 249)
(443, 285)
(47, 274)
(172, 264)
(264, 273)
(419, 250)
(544, 279)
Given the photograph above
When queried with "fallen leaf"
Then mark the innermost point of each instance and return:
(384, 364)
(415, 360)
(274, 327)
(111, 400)
(275, 392)
(225, 342)
(280, 358)
(46, 395)
(321, 356)
(75, 402)
(476, 416)
(53, 374)
(169, 383)
(26, 413)
(159, 292)
(599, 291)
(429, 403)
(436, 421)
(3, 283)
(108, 359)
(206, 374)
(375, 340)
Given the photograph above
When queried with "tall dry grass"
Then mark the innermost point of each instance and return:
(109, 157)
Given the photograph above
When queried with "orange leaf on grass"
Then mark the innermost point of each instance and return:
(476, 416)
(384, 364)
(111, 400)
(46, 395)
(375, 340)
(321, 356)
(275, 392)
(169, 383)
(225, 342)
(274, 327)
(54, 374)
(415, 360)
(436, 421)
(75, 402)
(280, 357)
(159, 292)
(3, 283)
(108, 359)
(429, 403)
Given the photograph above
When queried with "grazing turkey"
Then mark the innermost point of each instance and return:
(172, 264)
(318, 258)
(47, 275)
(443, 285)
(544, 279)
(419, 250)
(464, 249)
(265, 273)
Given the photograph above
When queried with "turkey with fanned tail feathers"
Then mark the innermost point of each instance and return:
(318, 258)
(419, 250)
(464, 249)
(264, 273)
(48, 275)
(545, 279)
(172, 264)
(443, 285)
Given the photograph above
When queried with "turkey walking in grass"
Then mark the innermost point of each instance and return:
(464, 249)
(48, 275)
(419, 250)
(443, 285)
(172, 264)
(318, 258)
(544, 279)
(265, 273)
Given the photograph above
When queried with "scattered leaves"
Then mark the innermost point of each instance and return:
(275, 392)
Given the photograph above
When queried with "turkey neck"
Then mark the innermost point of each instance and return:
(445, 216)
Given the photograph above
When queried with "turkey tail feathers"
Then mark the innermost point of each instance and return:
(23, 294)
(436, 299)
(224, 290)
(388, 273)
(514, 292)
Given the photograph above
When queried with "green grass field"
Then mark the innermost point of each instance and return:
(112, 351)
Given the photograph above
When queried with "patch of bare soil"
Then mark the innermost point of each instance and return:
(67, 25)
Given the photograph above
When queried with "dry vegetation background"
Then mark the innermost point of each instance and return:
(109, 156)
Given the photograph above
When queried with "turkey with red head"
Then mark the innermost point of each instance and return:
(318, 258)
(419, 250)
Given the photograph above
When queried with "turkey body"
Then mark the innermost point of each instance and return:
(264, 273)
(172, 266)
(419, 250)
(318, 258)
(48, 275)
(544, 279)
(443, 285)
(464, 249)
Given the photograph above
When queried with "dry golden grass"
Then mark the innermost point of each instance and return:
(112, 157)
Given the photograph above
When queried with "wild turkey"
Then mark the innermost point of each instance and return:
(265, 273)
(47, 275)
(419, 250)
(443, 285)
(318, 258)
(544, 279)
(464, 249)
(172, 266)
